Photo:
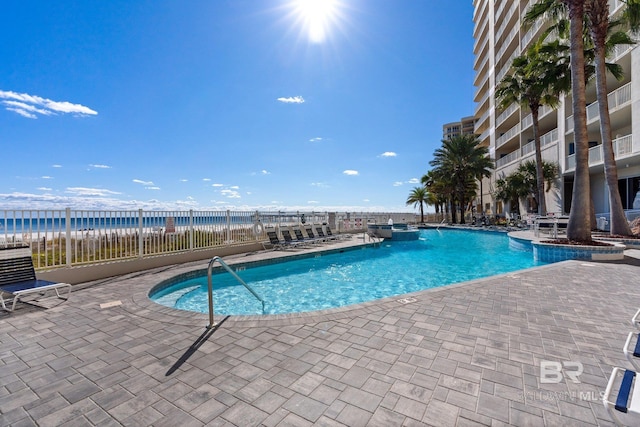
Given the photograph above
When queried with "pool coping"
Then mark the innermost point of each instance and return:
(143, 306)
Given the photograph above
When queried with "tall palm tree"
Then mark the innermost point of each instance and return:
(579, 227)
(598, 24)
(462, 159)
(597, 21)
(418, 196)
(537, 78)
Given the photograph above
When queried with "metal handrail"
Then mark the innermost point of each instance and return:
(210, 286)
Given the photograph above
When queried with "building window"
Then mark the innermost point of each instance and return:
(630, 192)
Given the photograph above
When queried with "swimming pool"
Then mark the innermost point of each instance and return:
(438, 258)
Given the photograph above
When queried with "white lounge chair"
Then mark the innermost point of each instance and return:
(627, 400)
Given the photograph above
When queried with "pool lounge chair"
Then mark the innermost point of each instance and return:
(18, 278)
(631, 349)
(627, 400)
(301, 239)
(337, 236)
(286, 235)
(309, 230)
(321, 234)
(274, 241)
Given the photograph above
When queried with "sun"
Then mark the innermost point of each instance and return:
(317, 17)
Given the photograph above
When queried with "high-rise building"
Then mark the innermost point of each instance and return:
(499, 38)
(466, 126)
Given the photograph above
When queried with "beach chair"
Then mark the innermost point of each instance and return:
(18, 278)
(321, 234)
(631, 349)
(300, 237)
(627, 400)
(275, 241)
(286, 235)
(330, 233)
(309, 230)
(635, 320)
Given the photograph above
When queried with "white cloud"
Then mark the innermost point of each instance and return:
(388, 154)
(145, 183)
(152, 188)
(265, 172)
(292, 100)
(312, 202)
(184, 180)
(207, 180)
(217, 185)
(31, 105)
(316, 139)
(231, 194)
(83, 191)
(100, 166)
(23, 113)
(350, 172)
(235, 187)
(319, 185)
(44, 189)
(414, 181)
(46, 177)
(56, 166)
(397, 183)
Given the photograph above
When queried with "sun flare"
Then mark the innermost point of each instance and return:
(317, 16)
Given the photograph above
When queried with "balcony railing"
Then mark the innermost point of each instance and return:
(506, 113)
(617, 99)
(502, 161)
(622, 147)
(508, 135)
(507, 41)
(546, 139)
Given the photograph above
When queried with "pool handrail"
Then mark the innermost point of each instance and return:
(210, 286)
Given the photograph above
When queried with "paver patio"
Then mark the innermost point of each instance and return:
(466, 354)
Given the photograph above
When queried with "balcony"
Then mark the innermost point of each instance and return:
(527, 149)
(617, 99)
(507, 42)
(514, 131)
(506, 113)
(622, 147)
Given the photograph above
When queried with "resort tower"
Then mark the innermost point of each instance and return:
(499, 37)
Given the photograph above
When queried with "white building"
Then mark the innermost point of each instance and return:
(500, 37)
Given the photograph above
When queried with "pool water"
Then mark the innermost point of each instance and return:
(438, 258)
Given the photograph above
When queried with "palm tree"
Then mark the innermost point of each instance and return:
(461, 159)
(418, 196)
(537, 78)
(522, 182)
(529, 172)
(510, 189)
(597, 20)
(599, 25)
(440, 188)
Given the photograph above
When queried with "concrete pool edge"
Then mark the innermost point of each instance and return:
(144, 307)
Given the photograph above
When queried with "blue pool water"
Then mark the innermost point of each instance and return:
(439, 258)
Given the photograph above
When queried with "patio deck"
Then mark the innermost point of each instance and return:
(466, 354)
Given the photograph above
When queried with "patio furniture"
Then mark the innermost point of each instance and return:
(631, 349)
(18, 277)
(627, 399)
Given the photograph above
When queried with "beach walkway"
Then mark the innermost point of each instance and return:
(467, 354)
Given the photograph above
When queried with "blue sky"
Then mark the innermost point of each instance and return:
(227, 104)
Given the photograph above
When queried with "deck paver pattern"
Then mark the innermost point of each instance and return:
(466, 354)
